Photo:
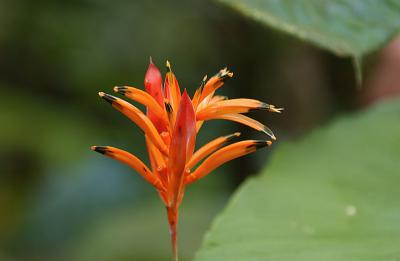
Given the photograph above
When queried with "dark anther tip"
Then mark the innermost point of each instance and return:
(258, 144)
(107, 97)
(120, 89)
(99, 149)
(168, 107)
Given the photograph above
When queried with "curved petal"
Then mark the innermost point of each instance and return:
(225, 154)
(132, 161)
(137, 117)
(171, 88)
(214, 83)
(197, 94)
(210, 148)
(146, 99)
(243, 119)
(231, 106)
(157, 161)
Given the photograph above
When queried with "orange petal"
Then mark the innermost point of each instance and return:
(231, 106)
(214, 83)
(225, 154)
(171, 114)
(132, 161)
(156, 158)
(157, 161)
(206, 102)
(146, 99)
(171, 88)
(217, 98)
(210, 148)
(181, 148)
(197, 94)
(198, 125)
(246, 121)
(201, 106)
(138, 117)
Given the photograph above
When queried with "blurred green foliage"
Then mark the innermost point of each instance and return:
(332, 195)
(58, 200)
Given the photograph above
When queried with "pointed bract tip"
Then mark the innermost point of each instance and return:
(205, 78)
(185, 95)
(151, 60)
(99, 149)
(101, 94)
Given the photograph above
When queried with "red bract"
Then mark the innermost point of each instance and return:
(170, 127)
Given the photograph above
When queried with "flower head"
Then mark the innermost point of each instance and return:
(170, 126)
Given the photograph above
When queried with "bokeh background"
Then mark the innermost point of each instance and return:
(61, 201)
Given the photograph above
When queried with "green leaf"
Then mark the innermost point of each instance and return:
(333, 195)
(345, 27)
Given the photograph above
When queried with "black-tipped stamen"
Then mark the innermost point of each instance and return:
(258, 144)
(121, 89)
(100, 149)
(109, 98)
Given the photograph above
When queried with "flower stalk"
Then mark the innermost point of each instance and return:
(170, 126)
(172, 213)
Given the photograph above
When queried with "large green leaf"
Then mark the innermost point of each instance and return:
(345, 27)
(333, 195)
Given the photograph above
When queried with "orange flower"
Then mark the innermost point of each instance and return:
(170, 127)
